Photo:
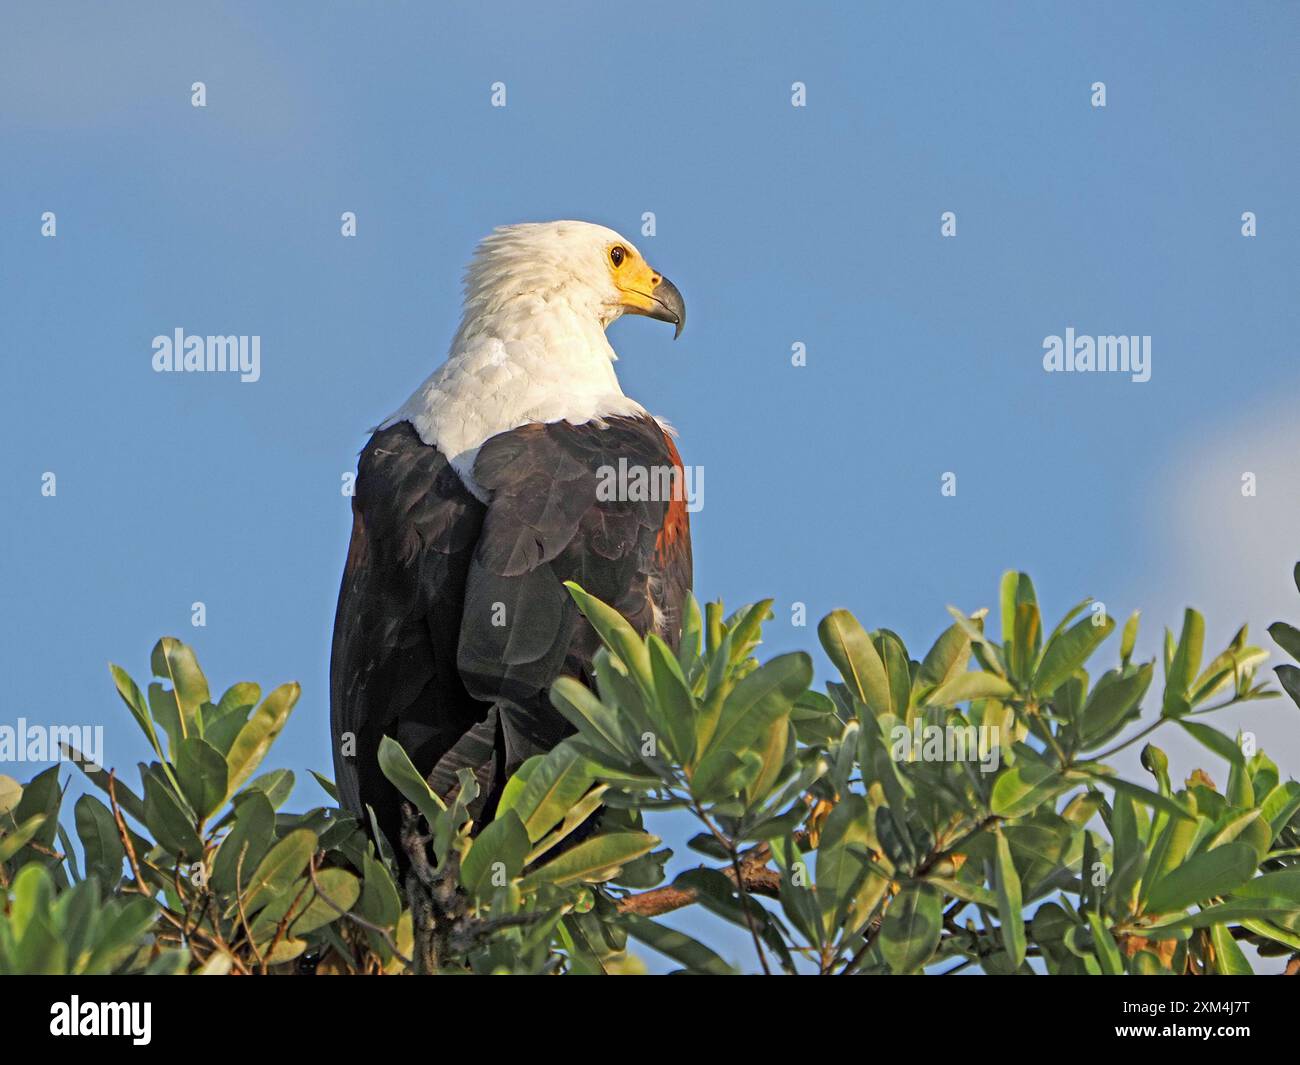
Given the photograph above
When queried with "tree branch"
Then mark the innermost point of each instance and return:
(756, 878)
(125, 836)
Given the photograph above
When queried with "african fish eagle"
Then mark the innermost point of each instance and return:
(479, 498)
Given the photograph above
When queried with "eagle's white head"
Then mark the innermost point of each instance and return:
(584, 267)
(531, 346)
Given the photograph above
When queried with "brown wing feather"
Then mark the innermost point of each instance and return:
(393, 666)
(450, 609)
(548, 523)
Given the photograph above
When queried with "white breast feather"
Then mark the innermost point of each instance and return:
(530, 348)
(492, 385)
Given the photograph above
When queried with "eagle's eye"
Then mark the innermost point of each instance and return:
(617, 254)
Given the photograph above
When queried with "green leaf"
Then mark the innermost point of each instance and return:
(1227, 669)
(100, 840)
(1286, 637)
(119, 938)
(327, 785)
(960, 889)
(1140, 794)
(762, 698)
(1279, 884)
(18, 837)
(1112, 962)
(774, 752)
(674, 703)
(1071, 614)
(1228, 958)
(1083, 807)
(1247, 827)
(1010, 907)
(1215, 741)
(713, 634)
(689, 646)
(496, 856)
(1233, 911)
(1171, 848)
(987, 653)
(1185, 665)
(798, 900)
(1203, 876)
(912, 927)
(10, 793)
(946, 659)
(252, 835)
(173, 661)
(43, 794)
(1271, 931)
(592, 860)
(1263, 773)
(1290, 679)
(171, 824)
(555, 783)
(1028, 638)
(972, 685)
(275, 785)
(694, 955)
(841, 871)
(451, 825)
(127, 800)
(1112, 700)
(575, 818)
(135, 702)
(397, 767)
(1240, 792)
(584, 710)
(283, 865)
(855, 656)
(380, 903)
(1068, 652)
(32, 894)
(746, 629)
(1023, 788)
(243, 695)
(1016, 590)
(78, 915)
(221, 723)
(342, 889)
(617, 635)
(255, 738)
(1280, 805)
(1128, 639)
(37, 948)
(202, 774)
(898, 669)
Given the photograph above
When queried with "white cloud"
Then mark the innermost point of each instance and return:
(1231, 555)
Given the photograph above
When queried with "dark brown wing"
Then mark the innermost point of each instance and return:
(559, 511)
(393, 667)
(453, 619)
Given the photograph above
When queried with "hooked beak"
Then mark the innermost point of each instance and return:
(654, 296)
(671, 307)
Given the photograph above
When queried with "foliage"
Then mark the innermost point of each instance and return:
(201, 871)
(924, 815)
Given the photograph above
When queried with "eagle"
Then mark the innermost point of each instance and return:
(479, 498)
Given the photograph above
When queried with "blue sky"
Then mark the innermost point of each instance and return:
(818, 225)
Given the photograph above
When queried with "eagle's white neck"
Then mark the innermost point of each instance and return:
(518, 358)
